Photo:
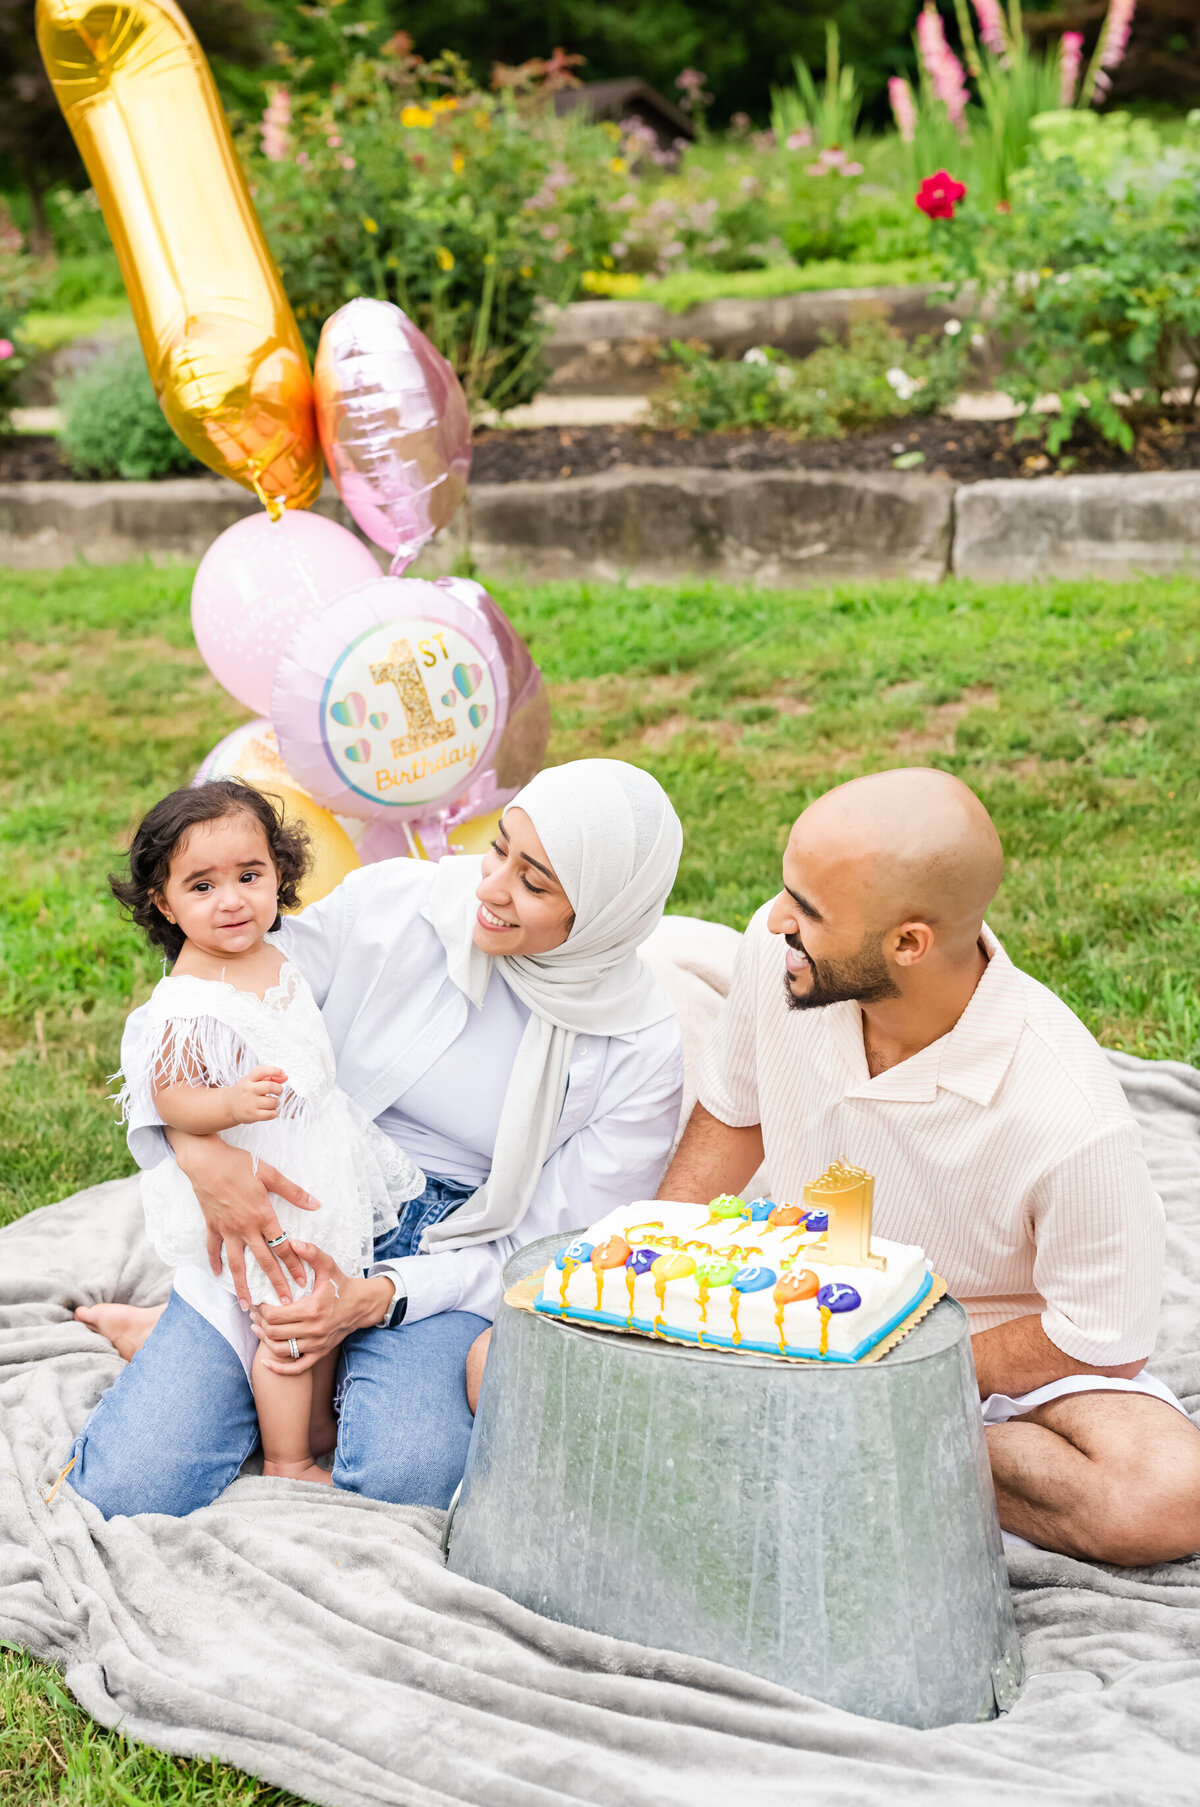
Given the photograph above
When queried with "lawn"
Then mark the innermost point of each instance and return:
(1071, 708)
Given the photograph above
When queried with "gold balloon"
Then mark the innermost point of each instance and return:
(331, 849)
(222, 344)
(477, 835)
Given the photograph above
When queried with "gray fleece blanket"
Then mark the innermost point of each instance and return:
(318, 1641)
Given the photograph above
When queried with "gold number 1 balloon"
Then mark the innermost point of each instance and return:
(221, 342)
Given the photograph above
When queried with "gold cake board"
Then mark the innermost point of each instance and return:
(522, 1296)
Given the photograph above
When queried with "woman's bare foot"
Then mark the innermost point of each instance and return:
(125, 1326)
(307, 1470)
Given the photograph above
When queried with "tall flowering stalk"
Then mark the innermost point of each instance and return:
(993, 34)
(1070, 57)
(1110, 50)
(277, 117)
(945, 72)
(904, 110)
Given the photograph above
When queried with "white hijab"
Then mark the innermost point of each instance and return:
(614, 840)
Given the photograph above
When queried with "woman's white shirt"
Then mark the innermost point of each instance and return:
(429, 1122)
(378, 971)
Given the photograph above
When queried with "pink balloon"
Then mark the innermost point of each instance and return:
(256, 584)
(388, 704)
(394, 425)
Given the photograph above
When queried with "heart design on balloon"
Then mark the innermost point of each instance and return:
(477, 714)
(449, 698)
(350, 711)
(468, 678)
(379, 720)
(359, 751)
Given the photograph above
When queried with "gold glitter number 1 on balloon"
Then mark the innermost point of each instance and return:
(424, 730)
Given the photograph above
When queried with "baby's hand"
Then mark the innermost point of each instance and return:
(255, 1099)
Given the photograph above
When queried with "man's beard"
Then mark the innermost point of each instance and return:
(862, 979)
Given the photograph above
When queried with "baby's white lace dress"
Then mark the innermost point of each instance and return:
(207, 1032)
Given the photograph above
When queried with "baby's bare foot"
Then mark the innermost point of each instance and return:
(307, 1470)
(126, 1327)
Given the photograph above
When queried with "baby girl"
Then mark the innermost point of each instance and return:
(235, 1046)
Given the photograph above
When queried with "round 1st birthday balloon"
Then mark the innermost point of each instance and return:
(388, 702)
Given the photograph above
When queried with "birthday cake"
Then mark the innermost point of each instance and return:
(806, 1282)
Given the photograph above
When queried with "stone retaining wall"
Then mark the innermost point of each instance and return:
(778, 529)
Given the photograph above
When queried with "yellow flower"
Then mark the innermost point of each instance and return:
(611, 130)
(445, 103)
(392, 262)
(481, 119)
(369, 225)
(416, 116)
(445, 259)
(489, 257)
(458, 163)
(618, 166)
(527, 271)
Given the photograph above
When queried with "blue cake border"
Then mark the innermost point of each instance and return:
(577, 1314)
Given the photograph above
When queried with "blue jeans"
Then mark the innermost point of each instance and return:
(177, 1425)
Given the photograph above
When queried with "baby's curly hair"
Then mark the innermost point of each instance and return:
(160, 832)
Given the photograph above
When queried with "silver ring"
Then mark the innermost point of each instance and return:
(273, 1242)
(293, 1349)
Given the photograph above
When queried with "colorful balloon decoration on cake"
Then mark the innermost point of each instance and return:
(394, 715)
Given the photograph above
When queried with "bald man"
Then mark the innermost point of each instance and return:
(873, 1015)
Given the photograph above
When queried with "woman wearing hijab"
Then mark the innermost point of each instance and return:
(494, 1017)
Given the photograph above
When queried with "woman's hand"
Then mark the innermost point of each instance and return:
(235, 1198)
(336, 1306)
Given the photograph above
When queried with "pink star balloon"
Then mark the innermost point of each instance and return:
(394, 425)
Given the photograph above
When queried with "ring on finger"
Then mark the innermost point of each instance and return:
(273, 1242)
(293, 1349)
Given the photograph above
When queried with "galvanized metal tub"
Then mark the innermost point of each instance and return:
(833, 1529)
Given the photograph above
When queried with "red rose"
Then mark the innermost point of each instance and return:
(938, 195)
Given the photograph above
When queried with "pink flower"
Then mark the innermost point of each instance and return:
(303, 159)
(277, 116)
(904, 111)
(691, 81)
(801, 140)
(334, 141)
(1117, 27)
(620, 248)
(349, 163)
(991, 27)
(1070, 57)
(7, 349)
(942, 66)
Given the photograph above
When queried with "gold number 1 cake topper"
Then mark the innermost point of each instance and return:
(848, 1194)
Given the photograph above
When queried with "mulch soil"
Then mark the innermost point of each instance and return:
(963, 450)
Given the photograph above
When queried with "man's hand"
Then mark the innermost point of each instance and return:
(713, 1157)
(337, 1305)
(255, 1099)
(234, 1196)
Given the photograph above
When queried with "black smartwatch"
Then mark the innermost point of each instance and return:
(395, 1312)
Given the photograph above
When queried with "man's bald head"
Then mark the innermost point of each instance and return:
(914, 844)
(886, 880)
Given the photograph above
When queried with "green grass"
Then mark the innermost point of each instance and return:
(51, 1751)
(47, 329)
(1071, 708)
(689, 288)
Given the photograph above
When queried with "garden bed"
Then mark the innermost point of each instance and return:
(966, 451)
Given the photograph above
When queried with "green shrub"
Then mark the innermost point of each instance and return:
(18, 285)
(113, 425)
(468, 210)
(875, 376)
(1094, 278)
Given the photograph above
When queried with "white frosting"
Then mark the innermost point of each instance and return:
(729, 1317)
